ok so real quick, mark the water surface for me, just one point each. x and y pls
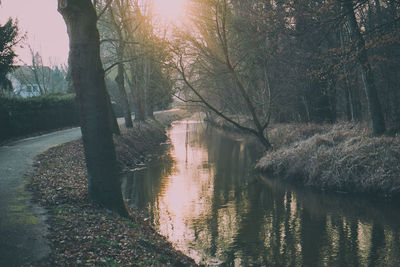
(203, 195)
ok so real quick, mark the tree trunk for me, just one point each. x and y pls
(120, 79)
(149, 111)
(147, 89)
(88, 79)
(263, 138)
(140, 113)
(222, 36)
(374, 106)
(112, 119)
(350, 109)
(378, 7)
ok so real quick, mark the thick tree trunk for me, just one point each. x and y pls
(88, 79)
(374, 106)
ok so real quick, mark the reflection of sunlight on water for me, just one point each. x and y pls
(186, 196)
(204, 201)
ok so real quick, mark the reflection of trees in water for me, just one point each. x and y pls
(275, 225)
(284, 228)
(257, 222)
(232, 161)
(142, 187)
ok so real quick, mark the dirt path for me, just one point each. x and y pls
(22, 224)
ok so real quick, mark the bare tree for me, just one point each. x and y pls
(87, 75)
(113, 22)
(204, 52)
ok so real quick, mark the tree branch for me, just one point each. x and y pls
(202, 99)
(104, 9)
(187, 100)
(116, 63)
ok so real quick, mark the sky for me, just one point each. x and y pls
(44, 26)
(46, 32)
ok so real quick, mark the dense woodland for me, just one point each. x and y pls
(288, 72)
(279, 61)
(269, 61)
(251, 63)
(305, 61)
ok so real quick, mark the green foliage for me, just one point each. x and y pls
(23, 116)
(8, 39)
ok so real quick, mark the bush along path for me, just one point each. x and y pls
(21, 117)
(82, 233)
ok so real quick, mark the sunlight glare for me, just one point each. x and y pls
(170, 11)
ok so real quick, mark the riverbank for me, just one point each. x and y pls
(341, 157)
(81, 232)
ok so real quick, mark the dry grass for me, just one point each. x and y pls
(136, 144)
(341, 157)
(285, 134)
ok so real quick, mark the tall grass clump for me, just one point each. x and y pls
(341, 157)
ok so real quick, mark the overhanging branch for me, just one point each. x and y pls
(206, 103)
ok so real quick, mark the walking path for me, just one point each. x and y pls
(22, 224)
(23, 228)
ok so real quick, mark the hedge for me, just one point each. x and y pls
(24, 116)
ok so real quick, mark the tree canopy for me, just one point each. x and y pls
(292, 61)
(8, 41)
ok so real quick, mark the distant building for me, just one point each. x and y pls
(27, 81)
(23, 82)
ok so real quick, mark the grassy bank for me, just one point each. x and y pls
(84, 234)
(340, 157)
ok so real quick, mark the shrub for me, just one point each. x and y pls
(24, 116)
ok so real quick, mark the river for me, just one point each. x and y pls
(204, 196)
